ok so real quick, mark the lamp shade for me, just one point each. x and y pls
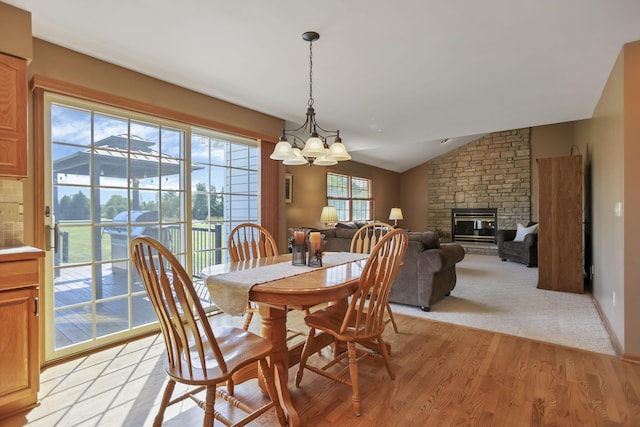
(314, 147)
(298, 160)
(338, 151)
(396, 214)
(325, 159)
(283, 151)
(329, 214)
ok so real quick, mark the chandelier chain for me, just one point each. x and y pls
(311, 74)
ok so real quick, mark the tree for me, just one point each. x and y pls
(114, 206)
(200, 203)
(207, 205)
(170, 205)
(76, 207)
(217, 204)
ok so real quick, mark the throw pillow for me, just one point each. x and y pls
(522, 231)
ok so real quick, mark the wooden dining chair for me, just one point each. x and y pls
(197, 354)
(364, 241)
(363, 321)
(251, 241)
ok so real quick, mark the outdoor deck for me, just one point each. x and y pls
(77, 283)
(74, 290)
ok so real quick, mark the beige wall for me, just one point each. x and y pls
(606, 143)
(414, 189)
(610, 141)
(548, 141)
(15, 31)
(310, 189)
(69, 66)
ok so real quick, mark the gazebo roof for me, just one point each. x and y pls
(111, 155)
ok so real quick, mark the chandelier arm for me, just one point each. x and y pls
(303, 126)
(330, 133)
(296, 138)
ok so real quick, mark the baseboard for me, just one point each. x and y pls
(612, 336)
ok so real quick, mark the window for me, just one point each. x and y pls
(224, 192)
(351, 197)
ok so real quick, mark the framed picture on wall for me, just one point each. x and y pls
(288, 187)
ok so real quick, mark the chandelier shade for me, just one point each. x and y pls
(314, 147)
(296, 160)
(310, 142)
(282, 151)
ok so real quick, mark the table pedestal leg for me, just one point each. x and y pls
(274, 328)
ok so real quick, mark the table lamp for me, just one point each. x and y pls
(329, 215)
(395, 214)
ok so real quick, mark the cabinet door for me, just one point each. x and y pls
(19, 364)
(13, 116)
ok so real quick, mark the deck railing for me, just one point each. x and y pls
(207, 245)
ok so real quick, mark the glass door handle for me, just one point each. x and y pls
(56, 236)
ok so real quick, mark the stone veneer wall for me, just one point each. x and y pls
(492, 172)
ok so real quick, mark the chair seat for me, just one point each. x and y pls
(330, 320)
(240, 348)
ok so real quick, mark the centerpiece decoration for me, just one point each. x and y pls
(298, 245)
(304, 240)
(315, 242)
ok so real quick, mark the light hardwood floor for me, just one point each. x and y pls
(445, 375)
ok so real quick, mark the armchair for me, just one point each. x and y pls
(524, 249)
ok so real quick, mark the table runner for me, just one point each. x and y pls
(230, 291)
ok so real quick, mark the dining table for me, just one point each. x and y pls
(278, 287)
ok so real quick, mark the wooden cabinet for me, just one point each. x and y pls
(19, 342)
(13, 117)
(560, 242)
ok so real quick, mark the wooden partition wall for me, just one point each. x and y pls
(560, 246)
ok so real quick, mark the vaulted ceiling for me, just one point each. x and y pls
(396, 78)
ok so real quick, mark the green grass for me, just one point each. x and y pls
(79, 247)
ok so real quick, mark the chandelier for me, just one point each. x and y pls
(315, 150)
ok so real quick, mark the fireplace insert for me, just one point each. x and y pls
(474, 224)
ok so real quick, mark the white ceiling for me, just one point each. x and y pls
(395, 77)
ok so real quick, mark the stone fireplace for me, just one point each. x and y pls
(493, 172)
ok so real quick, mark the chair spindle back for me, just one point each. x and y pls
(368, 236)
(182, 319)
(368, 303)
(250, 241)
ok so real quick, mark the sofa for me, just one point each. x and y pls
(520, 245)
(428, 273)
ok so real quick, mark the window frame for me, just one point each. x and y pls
(350, 199)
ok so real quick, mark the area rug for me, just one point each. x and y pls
(502, 297)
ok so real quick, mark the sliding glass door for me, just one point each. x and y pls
(115, 175)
